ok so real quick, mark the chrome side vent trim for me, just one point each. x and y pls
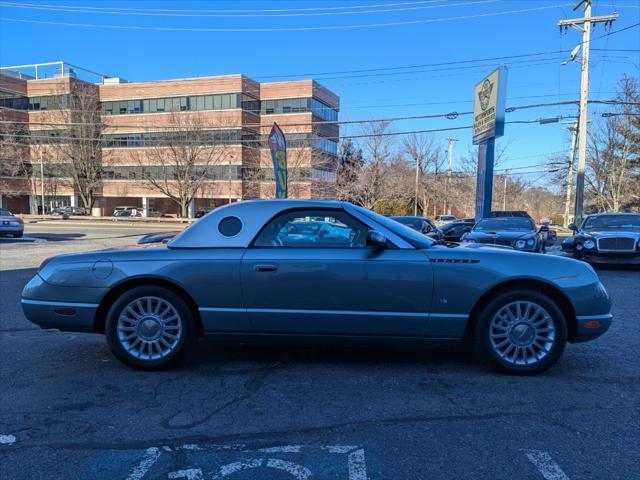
(454, 260)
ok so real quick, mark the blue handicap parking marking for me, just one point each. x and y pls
(232, 462)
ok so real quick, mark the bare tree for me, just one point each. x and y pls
(178, 163)
(75, 144)
(15, 168)
(613, 175)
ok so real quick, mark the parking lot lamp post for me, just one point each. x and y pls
(41, 182)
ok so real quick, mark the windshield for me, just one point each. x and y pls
(613, 222)
(510, 224)
(415, 238)
(411, 222)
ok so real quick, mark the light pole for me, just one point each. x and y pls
(446, 188)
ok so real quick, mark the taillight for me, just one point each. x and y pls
(20, 221)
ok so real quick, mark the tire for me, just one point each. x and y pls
(150, 328)
(527, 344)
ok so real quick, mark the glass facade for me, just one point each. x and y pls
(214, 137)
(212, 172)
(224, 101)
(299, 105)
(49, 102)
(15, 102)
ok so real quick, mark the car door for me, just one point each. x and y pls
(296, 280)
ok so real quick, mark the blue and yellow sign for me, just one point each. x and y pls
(278, 147)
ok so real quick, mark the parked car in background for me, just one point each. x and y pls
(69, 211)
(290, 269)
(442, 219)
(153, 213)
(419, 224)
(159, 237)
(127, 212)
(10, 224)
(606, 238)
(202, 212)
(518, 232)
(510, 213)
(453, 232)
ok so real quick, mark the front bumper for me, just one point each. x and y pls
(591, 326)
(616, 258)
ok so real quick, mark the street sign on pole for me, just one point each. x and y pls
(488, 123)
(278, 147)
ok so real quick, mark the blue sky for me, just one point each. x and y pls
(144, 52)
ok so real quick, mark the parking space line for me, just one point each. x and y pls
(150, 457)
(549, 469)
(7, 439)
(357, 465)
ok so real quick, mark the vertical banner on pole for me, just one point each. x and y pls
(278, 147)
(488, 123)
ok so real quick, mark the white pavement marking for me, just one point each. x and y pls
(7, 439)
(357, 465)
(282, 449)
(150, 457)
(189, 474)
(296, 471)
(549, 469)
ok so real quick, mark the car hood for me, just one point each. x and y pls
(611, 233)
(510, 235)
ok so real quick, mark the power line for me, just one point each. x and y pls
(448, 116)
(282, 29)
(346, 7)
(247, 14)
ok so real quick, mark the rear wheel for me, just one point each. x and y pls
(521, 332)
(150, 328)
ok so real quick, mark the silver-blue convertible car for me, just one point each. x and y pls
(319, 269)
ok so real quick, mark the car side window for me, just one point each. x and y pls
(313, 229)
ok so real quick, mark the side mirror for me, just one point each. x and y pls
(572, 226)
(376, 239)
(467, 229)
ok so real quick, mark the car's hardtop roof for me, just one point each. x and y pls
(253, 214)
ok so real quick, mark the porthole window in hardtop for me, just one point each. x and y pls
(230, 226)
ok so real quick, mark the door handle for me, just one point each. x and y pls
(265, 267)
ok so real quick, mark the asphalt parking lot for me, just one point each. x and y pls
(69, 410)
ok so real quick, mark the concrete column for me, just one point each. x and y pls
(74, 200)
(191, 210)
(1, 200)
(31, 205)
(145, 206)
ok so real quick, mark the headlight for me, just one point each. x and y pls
(521, 243)
(579, 247)
(589, 244)
(469, 240)
(531, 242)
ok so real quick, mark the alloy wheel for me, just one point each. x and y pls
(522, 333)
(149, 328)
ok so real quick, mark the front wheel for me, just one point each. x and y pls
(521, 332)
(150, 328)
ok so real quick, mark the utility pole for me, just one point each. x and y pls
(415, 202)
(504, 192)
(446, 190)
(584, 25)
(41, 182)
(567, 204)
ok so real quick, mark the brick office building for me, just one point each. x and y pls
(229, 115)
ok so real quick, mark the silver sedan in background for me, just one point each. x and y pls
(10, 224)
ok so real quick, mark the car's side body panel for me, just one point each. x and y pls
(337, 291)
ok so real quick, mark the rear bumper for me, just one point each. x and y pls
(591, 326)
(66, 316)
(11, 230)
